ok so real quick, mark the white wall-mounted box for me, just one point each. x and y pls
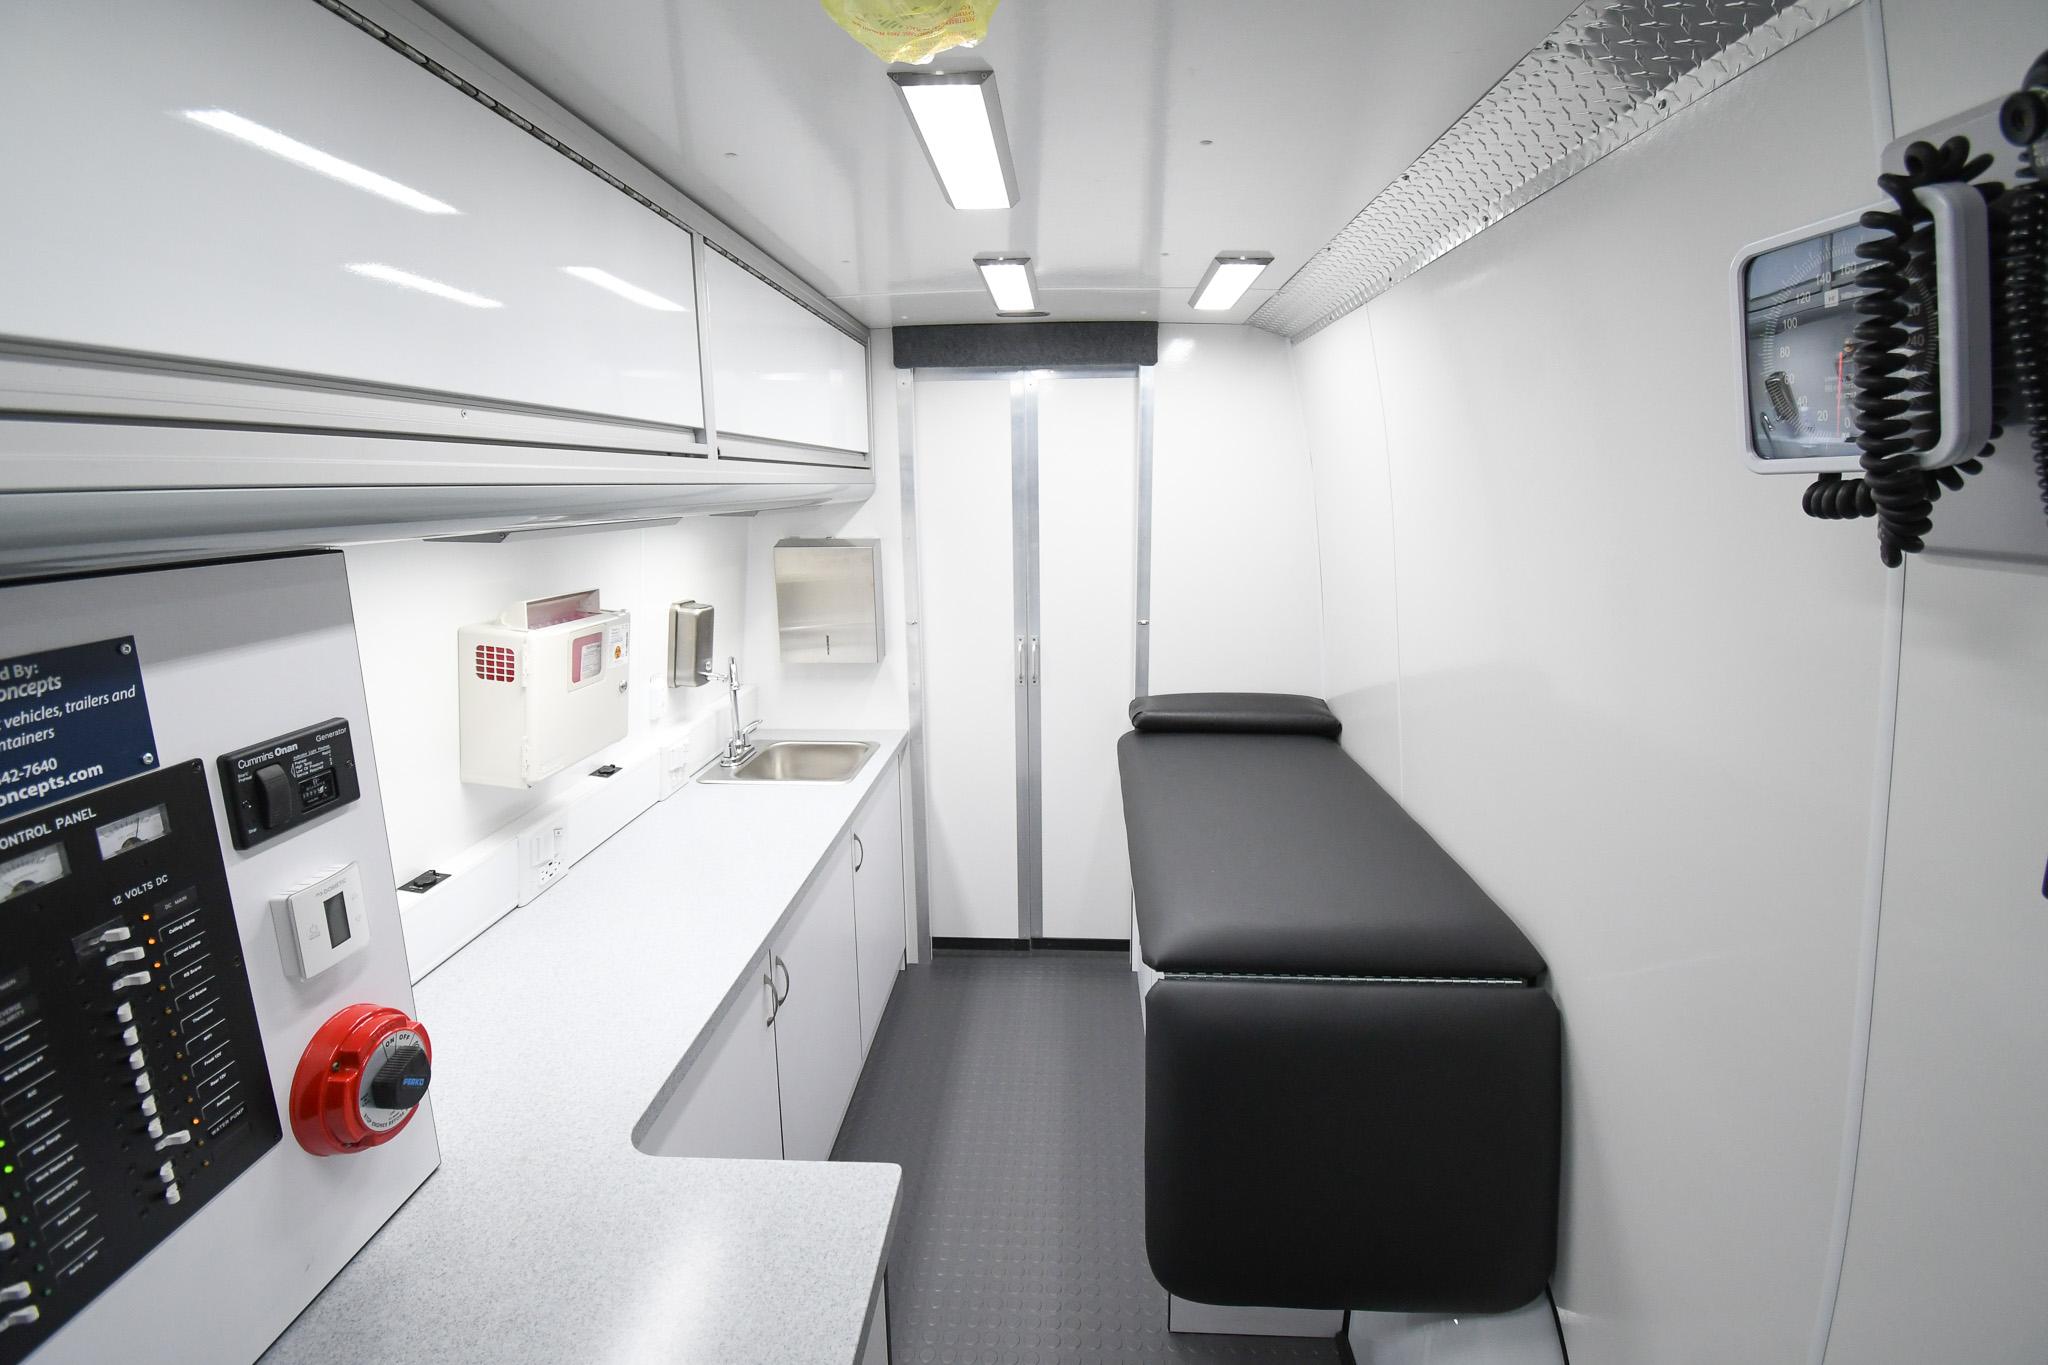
(540, 687)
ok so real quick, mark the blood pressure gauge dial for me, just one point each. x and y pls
(360, 1080)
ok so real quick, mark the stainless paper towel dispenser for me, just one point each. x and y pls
(828, 601)
(689, 644)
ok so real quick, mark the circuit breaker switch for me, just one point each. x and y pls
(126, 955)
(177, 1139)
(20, 1317)
(16, 1292)
(122, 983)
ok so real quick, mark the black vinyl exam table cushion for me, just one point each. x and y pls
(1352, 1069)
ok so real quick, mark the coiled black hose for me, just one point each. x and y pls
(1894, 350)
(2024, 121)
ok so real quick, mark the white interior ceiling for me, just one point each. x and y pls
(1148, 135)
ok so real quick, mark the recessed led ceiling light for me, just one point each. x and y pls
(313, 159)
(405, 279)
(1011, 285)
(959, 123)
(632, 293)
(1228, 276)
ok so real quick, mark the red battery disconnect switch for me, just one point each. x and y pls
(360, 1080)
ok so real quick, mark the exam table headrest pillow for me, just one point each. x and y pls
(1241, 713)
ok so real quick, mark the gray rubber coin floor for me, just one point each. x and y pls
(1010, 1088)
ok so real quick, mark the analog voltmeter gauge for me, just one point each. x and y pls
(1795, 304)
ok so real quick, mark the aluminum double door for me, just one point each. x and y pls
(1027, 512)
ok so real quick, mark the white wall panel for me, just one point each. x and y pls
(410, 598)
(778, 370)
(129, 225)
(1637, 690)
(1948, 1242)
(1234, 597)
(970, 694)
(844, 696)
(1338, 378)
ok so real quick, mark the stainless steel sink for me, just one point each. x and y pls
(798, 760)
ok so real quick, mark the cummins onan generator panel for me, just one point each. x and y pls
(212, 1088)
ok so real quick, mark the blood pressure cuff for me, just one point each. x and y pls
(1330, 1144)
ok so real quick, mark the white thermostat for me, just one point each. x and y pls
(540, 687)
(323, 922)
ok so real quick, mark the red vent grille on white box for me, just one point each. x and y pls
(494, 663)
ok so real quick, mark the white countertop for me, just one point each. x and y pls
(545, 1235)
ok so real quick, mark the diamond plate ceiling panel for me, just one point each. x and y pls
(1607, 73)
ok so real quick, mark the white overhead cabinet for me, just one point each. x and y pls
(263, 184)
(785, 383)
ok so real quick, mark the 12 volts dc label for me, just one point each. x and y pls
(71, 720)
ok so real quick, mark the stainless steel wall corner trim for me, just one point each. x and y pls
(1024, 593)
(913, 664)
(1146, 401)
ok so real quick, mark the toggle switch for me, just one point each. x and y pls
(126, 1014)
(155, 1128)
(142, 1085)
(122, 983)
(149, 1104)
(120, 933)
(273, 795)
(167, 1174)
(171, 1195)
(15, 1293)
(129, 1037)
(177, 1139)
(6, 1241)
(126, 955)
(136, 1060)
(20, 1317)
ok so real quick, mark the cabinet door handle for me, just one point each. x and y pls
(1020, 661)
(768, 980)
(1034, 661)
(860, 853)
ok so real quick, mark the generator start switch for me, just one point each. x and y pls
(271, 787)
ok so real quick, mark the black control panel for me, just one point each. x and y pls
(270, 787)
(133, 1083)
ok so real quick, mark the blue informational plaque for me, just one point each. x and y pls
(71, 720)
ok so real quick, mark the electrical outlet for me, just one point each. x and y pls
(543, 857)
(675, 768)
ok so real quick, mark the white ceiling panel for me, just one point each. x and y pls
(1148, 135)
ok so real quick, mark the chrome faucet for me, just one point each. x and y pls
(739, 748)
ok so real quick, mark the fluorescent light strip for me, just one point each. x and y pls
(957, 120)
(313, 159)
(632, 293)
(1227, 279)
(405, 279)
(1009, 283)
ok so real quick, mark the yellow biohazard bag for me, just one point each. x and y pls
(912, 30)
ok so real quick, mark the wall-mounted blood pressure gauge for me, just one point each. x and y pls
(1795, 300)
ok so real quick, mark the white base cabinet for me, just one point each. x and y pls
(817, 1015)
(730, 1102)
(878, 905)
(779, 1070)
